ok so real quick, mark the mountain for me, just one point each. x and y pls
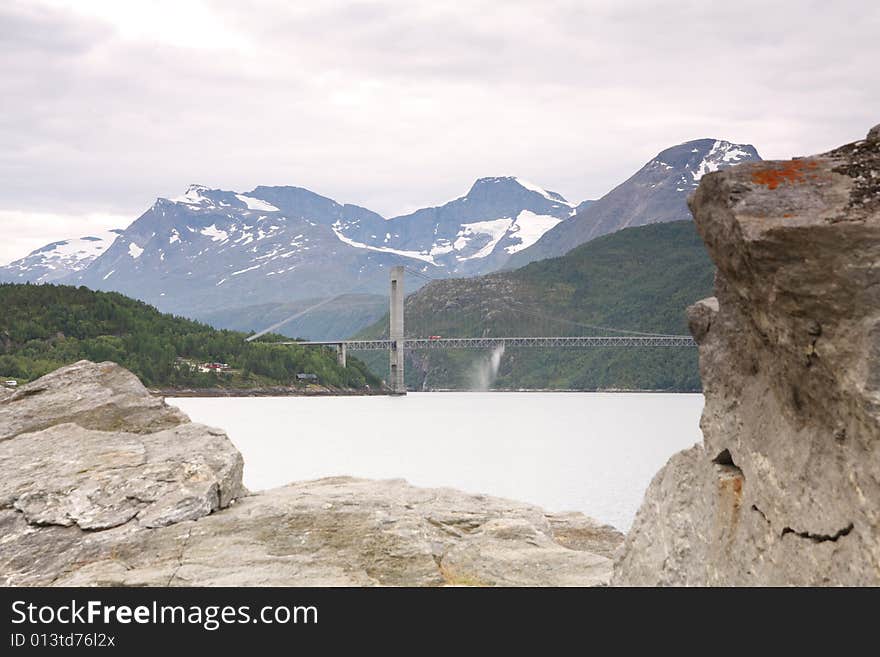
(57, 260)
(212, 249)
(43, 327)
(475, 233)
(637, 279)
(227, 257)
(656, 193)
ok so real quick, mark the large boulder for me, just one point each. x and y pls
(100, 396)
(66, 475)
(88, 446)
(143, 497)
(785, 488)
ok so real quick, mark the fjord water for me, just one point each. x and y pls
(589, 452)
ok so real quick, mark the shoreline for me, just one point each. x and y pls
(279, 391)
(585, 390)
(294, 392)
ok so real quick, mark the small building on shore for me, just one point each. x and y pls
(214, 367)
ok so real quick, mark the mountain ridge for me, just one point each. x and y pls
(210, 251)
(656, 193)
(59, 259)
(206, 248)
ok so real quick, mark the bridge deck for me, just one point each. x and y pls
(488, 343)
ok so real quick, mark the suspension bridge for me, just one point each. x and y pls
(397, 343)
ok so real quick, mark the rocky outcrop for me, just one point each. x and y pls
(67, 475)
(338, 531)
(103, 396)
(143, 497)
(785, 489)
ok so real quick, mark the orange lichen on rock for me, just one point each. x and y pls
(793, 171)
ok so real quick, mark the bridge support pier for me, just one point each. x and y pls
(395, 333)
(340, 354)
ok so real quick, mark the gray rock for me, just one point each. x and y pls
(579, 532)
(330, 532)
(101, 396)
(785, 489)
(700, 317)
(67, 475)
(103, 506)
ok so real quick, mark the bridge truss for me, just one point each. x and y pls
(398, 343)
(490, 342)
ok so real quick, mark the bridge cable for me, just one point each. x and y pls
(590, 326)
(294, 316)
(419, 274)
(547, 318)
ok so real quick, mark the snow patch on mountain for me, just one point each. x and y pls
(441, 247)
(256, 204)
(194, 195)
(134, 250)
(550, 196)
(721, 153)
(494, 229)
(242, 271)
(78, 253)
(425, 257)
(215, 233)
(58, 259)
(528, 229)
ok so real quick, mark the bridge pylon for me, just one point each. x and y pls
(395, 333)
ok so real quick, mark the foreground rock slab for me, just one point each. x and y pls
(785, 489)
(158, 505)
(329, 532)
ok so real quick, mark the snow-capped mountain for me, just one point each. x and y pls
(656, 193)
(475, 233)
(57, 260)
(210, 249)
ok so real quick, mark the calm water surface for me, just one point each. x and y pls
(590, 452)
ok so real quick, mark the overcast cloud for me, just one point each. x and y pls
(395, 105)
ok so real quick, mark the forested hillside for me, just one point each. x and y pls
(638, 279)
(43, 327)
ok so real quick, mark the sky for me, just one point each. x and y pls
(396, 105)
